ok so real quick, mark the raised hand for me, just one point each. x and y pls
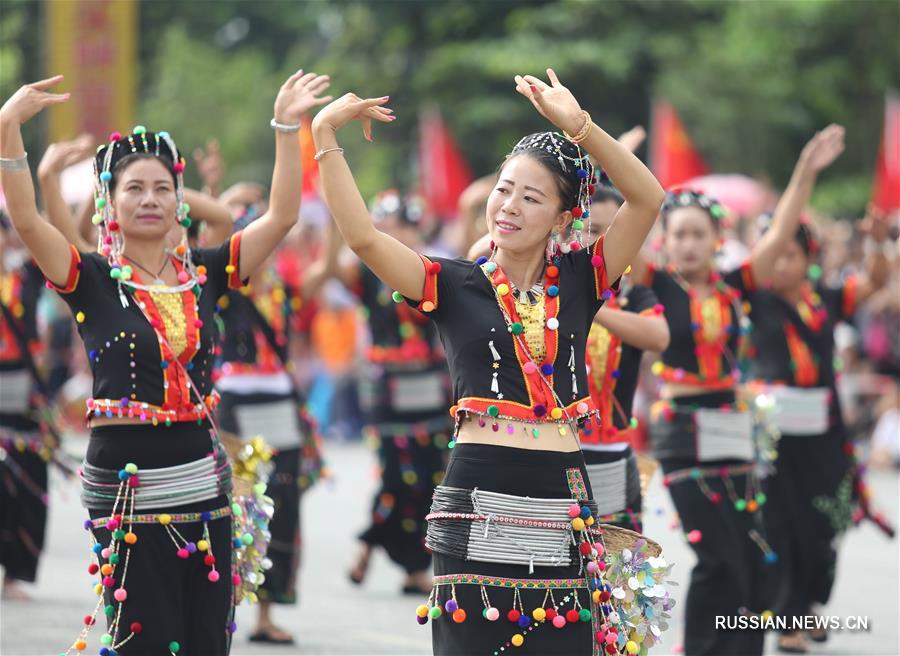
(554, 101)
(351, 107)
(633, 139)
(298, 95)
(875, 224)
(30, 99)
(64, 154)
(209, 165)
(242, 194)
(823, 148)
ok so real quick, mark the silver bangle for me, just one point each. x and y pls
(319, 155)
(15, 164)
(281, 127)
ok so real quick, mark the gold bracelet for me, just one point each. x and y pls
(584, 131)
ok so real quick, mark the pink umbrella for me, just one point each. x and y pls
(740, 194)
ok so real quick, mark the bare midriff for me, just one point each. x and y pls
(548, 437)
(96, 422)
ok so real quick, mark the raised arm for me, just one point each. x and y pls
(47, 245)
(877, 230)
(215, 216)
(297, 95)
(397, 265)
(642, 192)
(58, 157)
(327, 266)
(644, 332)
(820, 152)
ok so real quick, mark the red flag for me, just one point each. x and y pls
(443, 173)
(886, 190)
(308, 158)
(673, 157)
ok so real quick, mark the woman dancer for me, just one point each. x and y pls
(700, 434)
(812, 492)
(514, 328)
(155, 479)
(408, 399)
(26, 437)
(628, 324)
(260, 398)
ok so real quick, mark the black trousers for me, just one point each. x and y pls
(810, 501)
(731, 576)
(411, 465)
(522, 472)
(23, 504)
(170, 597)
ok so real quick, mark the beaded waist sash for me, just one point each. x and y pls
(503, 528)
(199, 480)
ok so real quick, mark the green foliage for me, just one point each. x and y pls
(751, 80)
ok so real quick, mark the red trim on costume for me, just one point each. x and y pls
(176, 385)
(233, 268)
(538, 392)
(520, 411)
(850, 297)
(747, 276)
(9, 345)
(73, 276)
(803, 362)
(430, 288)
(603, 390)
(601, 278)
(649, 274)
(675, 375)
(152, 413)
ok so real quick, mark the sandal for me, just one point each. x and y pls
(266, 636)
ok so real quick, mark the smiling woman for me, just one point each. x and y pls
(145, 314)
(514, 328)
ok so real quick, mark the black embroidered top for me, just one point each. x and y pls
(246, 347)
(704, 334)
(613, 365)
(464, 299)
(136, 373)
(401, 336)
(794, 344)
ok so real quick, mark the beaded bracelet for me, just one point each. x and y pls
(584, 131)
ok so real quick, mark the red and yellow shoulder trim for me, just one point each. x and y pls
(850, 297)
(601, 280)
(429, 301)
(747, 276)
(233, 268)
(72, 277)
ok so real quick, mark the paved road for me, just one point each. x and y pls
(337, 618)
